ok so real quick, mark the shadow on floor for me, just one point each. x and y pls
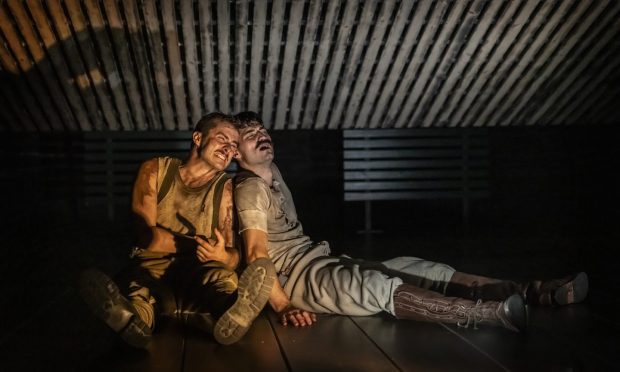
(46, 326)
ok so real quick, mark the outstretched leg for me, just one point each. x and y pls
(568, 290)
(411, 302)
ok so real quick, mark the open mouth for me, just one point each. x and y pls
(264, 145)
(220, 155)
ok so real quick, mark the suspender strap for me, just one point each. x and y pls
(218, 188)
(215, 187)
(168, 178)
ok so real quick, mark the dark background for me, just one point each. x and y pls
(553, 209)
(553, 206)
(545, 181)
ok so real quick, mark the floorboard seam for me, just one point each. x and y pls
(286, 361)
(184, 344)
(374, 343)
(474, 346)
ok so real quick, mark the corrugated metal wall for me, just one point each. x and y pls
(97, 65)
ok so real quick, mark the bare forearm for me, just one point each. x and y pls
(278, 299)
(288, 313)
(255, 244)
(234, 258)
(256, 247)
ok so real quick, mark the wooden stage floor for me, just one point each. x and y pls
(45, 325)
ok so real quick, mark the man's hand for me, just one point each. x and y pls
(208, 250)
(296, 316)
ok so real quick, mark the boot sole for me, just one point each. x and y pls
(105, 300)
(252, 294)
(574, 291)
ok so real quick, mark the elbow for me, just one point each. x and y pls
(145, 237)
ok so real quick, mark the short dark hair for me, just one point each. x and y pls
(247, 119)
(209, 121)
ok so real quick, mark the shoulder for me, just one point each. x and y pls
(150, 165)
(251, 192)
(250, 184)
(244, 175)
(148, 170)
(222, 176)
(246, 178)
(154, 164)
(166, 161)
(146, 179)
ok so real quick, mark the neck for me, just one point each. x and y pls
(261, 170)
(196, 172)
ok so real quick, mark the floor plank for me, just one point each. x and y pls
(46, 326)
(164, 353)
(258, 350)
(65, 336)
(535, 349)
(420, 346)
(593, 341)
(334, 343)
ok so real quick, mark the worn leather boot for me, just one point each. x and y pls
(252, 294)
(411, 302)
(103, 297)
(568, 290)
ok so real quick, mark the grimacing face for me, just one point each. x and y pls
(219, 145)
(255, 146)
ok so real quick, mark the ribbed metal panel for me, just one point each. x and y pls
(99, 65)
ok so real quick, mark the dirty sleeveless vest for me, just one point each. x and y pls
(185, 210)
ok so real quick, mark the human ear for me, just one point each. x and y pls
(197, 137)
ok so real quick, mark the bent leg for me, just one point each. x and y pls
(141, 283)
(210, 288)
(255, 285)
(105, 300)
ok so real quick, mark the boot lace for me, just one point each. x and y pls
(473, 316)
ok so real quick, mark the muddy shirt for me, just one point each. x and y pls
(271, 210)
(186, 210)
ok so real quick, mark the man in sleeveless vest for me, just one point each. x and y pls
(185, 245)
(311, 281)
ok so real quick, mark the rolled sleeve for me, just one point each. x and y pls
(252, 203)
(252, 220)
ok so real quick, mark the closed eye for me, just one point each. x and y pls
(250, 136)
